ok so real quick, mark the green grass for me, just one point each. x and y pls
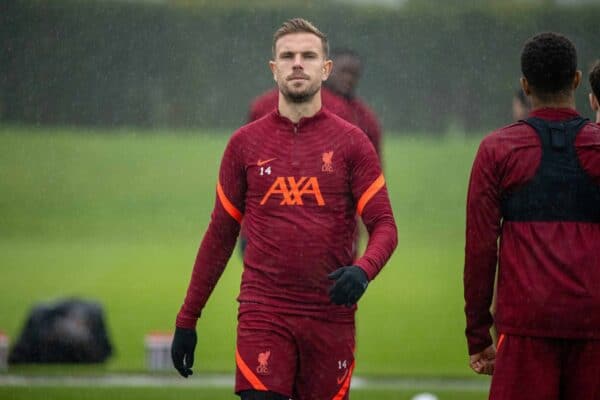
(117, 217)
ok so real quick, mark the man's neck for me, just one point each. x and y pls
(558, 102)
(598, 117)
(296, 111)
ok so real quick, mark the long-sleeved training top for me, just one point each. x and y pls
(298, 187)
(548, 270)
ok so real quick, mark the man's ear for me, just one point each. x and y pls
(326, 71)
(272, 67)
(594, 102)
(577, 79)
(525, 86)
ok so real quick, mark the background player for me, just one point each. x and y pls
(595, 93)
(297, 177)
(536, 185)
(344, 79)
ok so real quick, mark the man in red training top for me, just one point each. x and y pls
(338, 95)
(297, 178)
(535, 191)
(343, 81)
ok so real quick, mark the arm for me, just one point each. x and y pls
(373, 205)
(214, 252)
(482, 233)
(220, 237)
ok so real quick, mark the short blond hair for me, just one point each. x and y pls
(300, 25)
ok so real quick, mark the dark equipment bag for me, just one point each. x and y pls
(68, 331)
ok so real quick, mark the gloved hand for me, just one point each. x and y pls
(350, 284)
(182, 350)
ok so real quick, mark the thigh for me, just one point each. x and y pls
(266, 354)
(581, 370)
(526, 368)
(326, 352)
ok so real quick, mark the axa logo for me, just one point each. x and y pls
(292, 190)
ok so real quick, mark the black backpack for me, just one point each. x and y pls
(69, 331)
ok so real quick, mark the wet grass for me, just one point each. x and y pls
(117, 217)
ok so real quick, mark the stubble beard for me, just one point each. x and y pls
(299, 97)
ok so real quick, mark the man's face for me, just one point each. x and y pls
(299, 67)
(345, 75)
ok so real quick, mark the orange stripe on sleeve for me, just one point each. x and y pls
(344, 389)
(248, 374)
(230, 208)
(369, 193)
(500, 340)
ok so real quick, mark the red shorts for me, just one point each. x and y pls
(299, 357)
(530, 368)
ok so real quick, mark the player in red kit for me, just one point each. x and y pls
(534, 191)
(338, 95)
(343, 82)
(297, 178)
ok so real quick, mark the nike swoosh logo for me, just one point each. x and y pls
(263, 162)
(341, 379)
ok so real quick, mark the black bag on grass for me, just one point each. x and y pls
(69, 331)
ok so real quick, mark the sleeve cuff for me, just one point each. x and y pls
(479, 345)
(365, 266)
(186, 322)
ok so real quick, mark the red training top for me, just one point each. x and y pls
(352, 110)
(298, 188)
(549, 272)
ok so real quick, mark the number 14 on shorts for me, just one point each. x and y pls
(342, 365)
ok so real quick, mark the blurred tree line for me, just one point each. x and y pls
(190, 64)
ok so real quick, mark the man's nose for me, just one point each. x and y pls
(298, 61)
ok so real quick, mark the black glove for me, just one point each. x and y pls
(350, 283)
(182, 350)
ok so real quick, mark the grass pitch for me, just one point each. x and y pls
(117, 217)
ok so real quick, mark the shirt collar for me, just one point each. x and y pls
(304, 122)
(554, 114)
